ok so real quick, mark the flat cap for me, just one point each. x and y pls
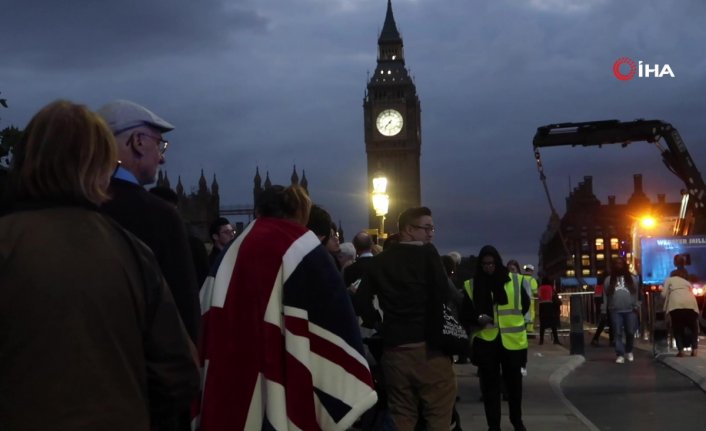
(122, 115)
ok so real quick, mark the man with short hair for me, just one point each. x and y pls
(321, 224)
(138, 135)
(403, 278)
(221, 233)
(363, 244)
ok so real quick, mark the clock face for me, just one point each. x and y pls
(389, 122)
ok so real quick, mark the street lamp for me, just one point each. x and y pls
(381, 201)
(648, 222)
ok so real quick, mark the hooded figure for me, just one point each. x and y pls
(489, 285)
(500, 343)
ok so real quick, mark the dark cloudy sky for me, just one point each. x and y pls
(272, 83)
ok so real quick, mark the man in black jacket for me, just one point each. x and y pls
(402, 278)
(138, 134)
(363, 244)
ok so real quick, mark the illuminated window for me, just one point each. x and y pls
(585, 271)
(585, 260)
(570, 273)
(599, 244)
(599, 273)
(600, 256)
(614, 244)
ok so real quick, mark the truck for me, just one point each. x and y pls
(653, 256)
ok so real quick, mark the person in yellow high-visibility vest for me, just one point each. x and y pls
(497, 307)
(533, 287)
(513, 267)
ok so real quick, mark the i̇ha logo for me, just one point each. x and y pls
(643, 70)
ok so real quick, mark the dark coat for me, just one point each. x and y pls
(356, 270)
(90, 334)
(401, 277)
(201, 263)
(157, 223)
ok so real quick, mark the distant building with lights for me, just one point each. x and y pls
(578, 248)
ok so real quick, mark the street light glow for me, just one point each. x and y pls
(648, 222)
(381, 201)
(379, 184)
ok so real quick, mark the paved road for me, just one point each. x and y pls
(544, 408)
(643, 395)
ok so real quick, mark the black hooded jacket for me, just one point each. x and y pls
(488, 289)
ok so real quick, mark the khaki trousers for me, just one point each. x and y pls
(416, 377)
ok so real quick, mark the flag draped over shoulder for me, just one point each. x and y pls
(281, 347)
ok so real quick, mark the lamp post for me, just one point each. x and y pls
(381, 201)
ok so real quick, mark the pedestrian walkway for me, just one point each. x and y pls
(545, 408)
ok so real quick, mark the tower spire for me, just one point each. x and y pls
(257, 180)
(389, 31)
(203, 185)
(304, 182)
(295, 177)
(390, 46)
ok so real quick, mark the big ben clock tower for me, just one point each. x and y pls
(392, 118)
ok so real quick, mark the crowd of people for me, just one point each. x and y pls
(129, 311)
(116, 318)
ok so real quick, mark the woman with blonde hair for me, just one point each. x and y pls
(91, 336)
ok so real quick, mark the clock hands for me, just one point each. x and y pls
(389, 122)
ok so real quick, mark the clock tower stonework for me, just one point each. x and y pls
(393, 132)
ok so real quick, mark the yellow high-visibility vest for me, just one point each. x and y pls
(508, 319)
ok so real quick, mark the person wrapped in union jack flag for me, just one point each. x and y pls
(281, 348)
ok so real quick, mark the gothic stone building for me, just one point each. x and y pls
(581, 245)
(200, 207)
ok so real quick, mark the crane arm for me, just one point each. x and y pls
(597, 133)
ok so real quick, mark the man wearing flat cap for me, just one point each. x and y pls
(141, 146)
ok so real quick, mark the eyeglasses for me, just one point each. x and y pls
(229, 232)
(427, 229)
(161, 143)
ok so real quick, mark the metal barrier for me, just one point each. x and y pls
(657, 326)
(574, 307)
(652, 326)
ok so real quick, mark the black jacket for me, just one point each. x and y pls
(157, 224)
(402, 278)
(356, 270)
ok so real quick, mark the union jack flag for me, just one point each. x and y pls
(281, 347)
